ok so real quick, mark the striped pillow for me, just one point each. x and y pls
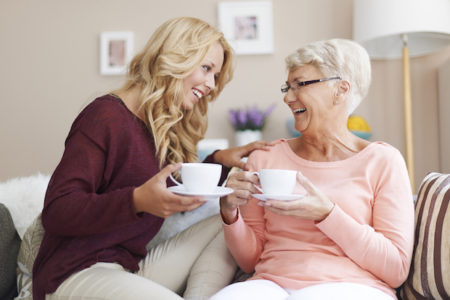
(429, 277)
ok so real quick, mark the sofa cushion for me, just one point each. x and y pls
(213, 270)
(429, 277)
(9, 247)
(29, 249)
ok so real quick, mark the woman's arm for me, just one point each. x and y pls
(243, 220)
(385, 247)
(75, 203)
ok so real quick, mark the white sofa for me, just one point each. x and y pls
(22, 198)
(21, 201)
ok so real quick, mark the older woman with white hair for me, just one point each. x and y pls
(350, 234)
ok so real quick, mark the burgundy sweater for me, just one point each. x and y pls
(88, 213)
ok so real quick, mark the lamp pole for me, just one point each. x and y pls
(407, 107)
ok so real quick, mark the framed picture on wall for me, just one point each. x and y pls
(116, 49)
(247, 26)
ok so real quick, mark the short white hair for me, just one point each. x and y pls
(337, 57)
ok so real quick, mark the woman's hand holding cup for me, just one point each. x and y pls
(153, 196)
(314, 206)
(243, 183)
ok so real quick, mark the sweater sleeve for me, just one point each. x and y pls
(385, 248)
(79, 200)
(245, 237)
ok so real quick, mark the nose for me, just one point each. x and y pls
(210, 82)
(289, 97)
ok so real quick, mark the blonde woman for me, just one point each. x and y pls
(108, 196)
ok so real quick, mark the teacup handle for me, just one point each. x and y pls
(257, 187)
(260, 189)
(174, 180)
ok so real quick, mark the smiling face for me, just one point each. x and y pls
(312, 105)
(203, 79)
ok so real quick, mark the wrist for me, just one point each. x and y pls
(217, 156)
(229, 213)
(327, 212)
(229, 217)
(136, 200)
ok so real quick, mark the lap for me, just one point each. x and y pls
(109, 281)
(163, 272)
(265, 289)
(252, 289)
(339, 291)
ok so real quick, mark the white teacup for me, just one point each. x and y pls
(199, 178)
(277, 181)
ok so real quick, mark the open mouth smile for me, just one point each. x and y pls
(197, 93)
(299, 110)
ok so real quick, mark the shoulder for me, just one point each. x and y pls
(104, 111)
(385, 158)
(258, 157)
(103, 108)
(383, 150)
(104, 117)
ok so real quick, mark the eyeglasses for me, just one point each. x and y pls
(297, 84)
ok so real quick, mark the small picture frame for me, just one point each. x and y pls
(247, 26)
(116, 49)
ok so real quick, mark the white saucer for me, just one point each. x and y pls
(289, 197)
(219, 192)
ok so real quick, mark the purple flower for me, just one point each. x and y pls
(269, 110)
(249, 118)
(232, 117)
(242, 117)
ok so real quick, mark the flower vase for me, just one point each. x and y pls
(247, 136)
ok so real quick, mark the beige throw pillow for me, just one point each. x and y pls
(27, 254)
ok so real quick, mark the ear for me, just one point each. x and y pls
(343, 87)
(342, 90)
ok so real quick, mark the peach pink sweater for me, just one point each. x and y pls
(367, 238)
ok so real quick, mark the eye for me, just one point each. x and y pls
(216, 77)
(206, 68)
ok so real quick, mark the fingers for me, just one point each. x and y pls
(241, 165)
(242, 183)
(243, 180)
(259, 145)
(193, 205)
(304, 181)
(264, 145)
(175, 203)
(169, 169)
(161, 177)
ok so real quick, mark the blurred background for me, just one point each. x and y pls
(50, 70)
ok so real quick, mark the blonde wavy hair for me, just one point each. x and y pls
(172, 53)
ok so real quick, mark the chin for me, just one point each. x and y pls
(188, 106)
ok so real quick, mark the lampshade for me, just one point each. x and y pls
(402, 28)
(379, 25)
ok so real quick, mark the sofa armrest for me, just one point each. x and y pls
(213, 270)
(9, 248)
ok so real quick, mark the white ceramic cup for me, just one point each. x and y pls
(277, 181)
(199, 178)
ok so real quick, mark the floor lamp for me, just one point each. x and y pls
(390, 29)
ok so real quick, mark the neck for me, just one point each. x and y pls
(131, 99)
(327, 146)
